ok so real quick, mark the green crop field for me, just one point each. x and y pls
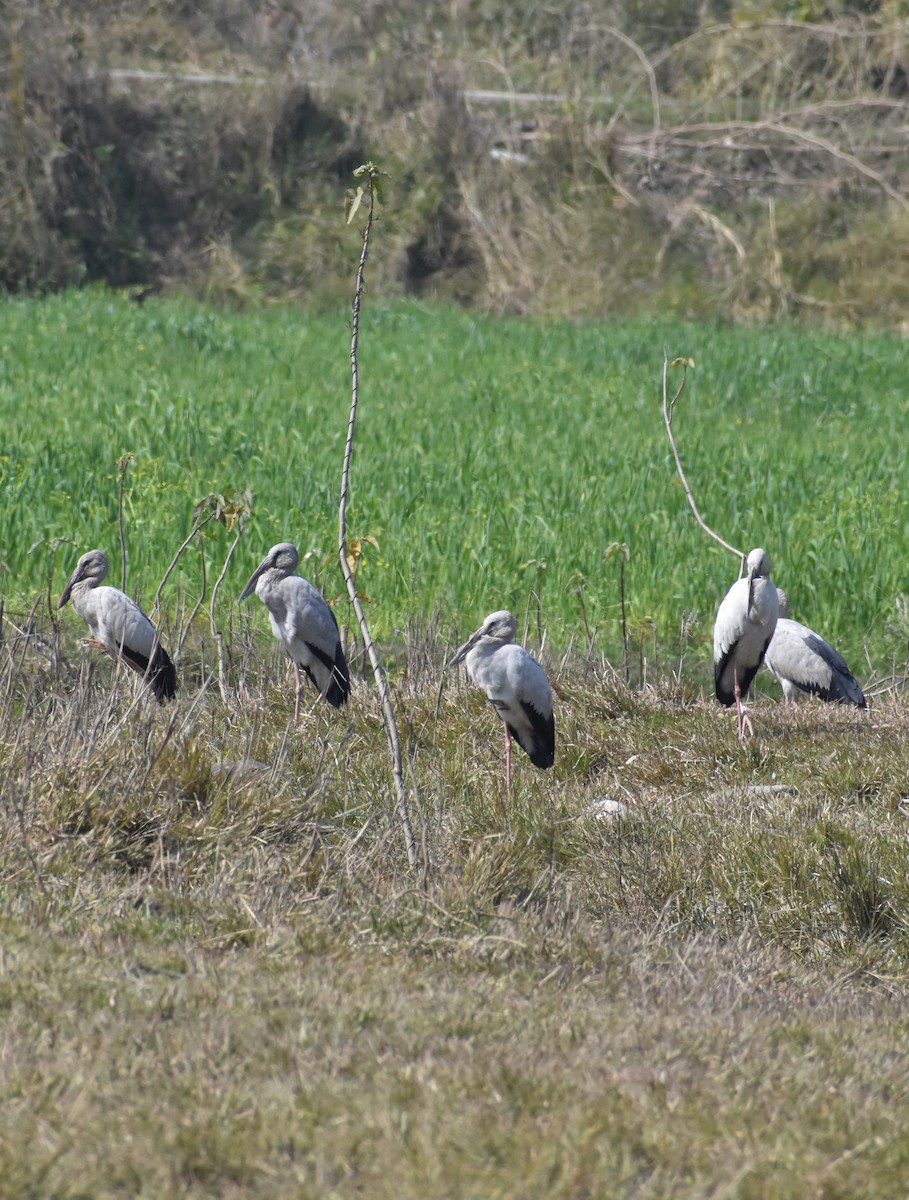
(496, 460)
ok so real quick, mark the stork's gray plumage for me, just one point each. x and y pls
(803, 662)
(303, 623)
(515, 684)
(744, 625)
(118, 625)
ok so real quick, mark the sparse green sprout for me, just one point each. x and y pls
(372, 188)
(354, 200)
(354, 550)
(227, 509)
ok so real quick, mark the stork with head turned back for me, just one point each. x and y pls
(801, 661)
(118, 625)
(744, 625)
(515, 684)
(303, 623)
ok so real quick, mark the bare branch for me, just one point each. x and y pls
(367, 192)
(722, 135)
(668, 406)
(649, 72)
(216, 632)
(123, 463)
(833, 32)
(187, 624)
(200, 525)
(851, 160)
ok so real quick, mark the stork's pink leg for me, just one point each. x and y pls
(743, 718)
(507, 762)
(299, 680)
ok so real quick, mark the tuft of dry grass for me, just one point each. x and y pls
(219, 977)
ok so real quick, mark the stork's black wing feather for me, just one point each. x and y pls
(540, 743)
(843, 687)
(726, 695)
(160, 672)
(338, 691)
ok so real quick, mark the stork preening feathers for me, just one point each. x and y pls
(118, 625)
(801, 661)
(745, 622)
(303, 623)
(516, 686)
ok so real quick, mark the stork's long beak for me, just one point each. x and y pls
(252, 581)
(462, 651)
(750, 589)
(65, 594)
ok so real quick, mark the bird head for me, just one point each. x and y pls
(91, 568)
(758, 564)
(281, 559)
(499, 627)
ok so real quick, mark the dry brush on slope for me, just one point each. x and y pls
(751, 166)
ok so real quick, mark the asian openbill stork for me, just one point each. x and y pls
(801, 661)
(303, 623)
(515, 684)
(744, 625)
(118, 625)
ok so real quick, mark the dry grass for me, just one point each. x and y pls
(218, 977)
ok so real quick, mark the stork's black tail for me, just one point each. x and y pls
(339, 691)
(539, 740)
(162, 675)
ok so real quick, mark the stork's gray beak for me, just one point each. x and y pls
(462, 651)
(252, 581)
(67, 591)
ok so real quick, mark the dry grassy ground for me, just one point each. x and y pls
(219, 978)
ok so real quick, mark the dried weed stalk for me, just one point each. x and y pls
(668, 407)
(367, 192)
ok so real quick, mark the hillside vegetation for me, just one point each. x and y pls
(737, 159)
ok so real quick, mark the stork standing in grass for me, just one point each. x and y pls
(515, 684)
(745, 622)
(801, 661)
(303, 623)
(118, 625)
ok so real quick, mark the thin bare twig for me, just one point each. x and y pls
(367, 192)
(187, 624)
(621, 550)
(668, 406)
(216, 632)
(123, 463)
(724, 133)
(197, 528)
(649, 72)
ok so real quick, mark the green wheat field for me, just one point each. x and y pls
(219, 975)
(496, 461)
